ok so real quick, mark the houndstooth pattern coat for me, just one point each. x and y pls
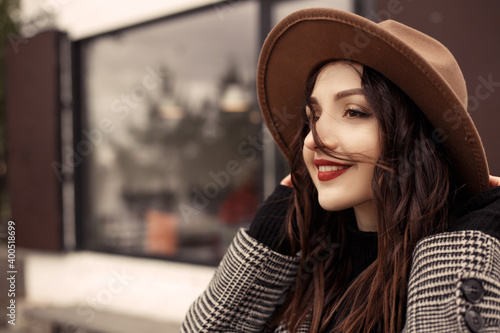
(444, 295)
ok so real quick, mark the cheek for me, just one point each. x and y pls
(308, 156)
(366, 176)
(364, 142)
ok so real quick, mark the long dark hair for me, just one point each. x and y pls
(412, 189)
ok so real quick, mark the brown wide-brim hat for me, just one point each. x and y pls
(418, 64)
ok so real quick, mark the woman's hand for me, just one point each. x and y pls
(287, 181)
(494, 181)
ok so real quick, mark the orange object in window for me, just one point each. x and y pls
(161, 233)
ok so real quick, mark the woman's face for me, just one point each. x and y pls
(347, 126)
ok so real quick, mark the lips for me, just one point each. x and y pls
(328, 170)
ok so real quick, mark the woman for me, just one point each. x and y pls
(387, 223)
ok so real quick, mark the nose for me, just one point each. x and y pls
(309, 141)
(325, 134)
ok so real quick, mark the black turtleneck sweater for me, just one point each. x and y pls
(362, 249)
(269, 223)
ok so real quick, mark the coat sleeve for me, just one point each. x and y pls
(454, 284)
(250, 282)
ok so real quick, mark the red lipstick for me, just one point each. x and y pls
(327, 173)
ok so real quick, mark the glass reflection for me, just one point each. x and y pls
(176, 164)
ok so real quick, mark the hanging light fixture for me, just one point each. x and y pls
(234, 98)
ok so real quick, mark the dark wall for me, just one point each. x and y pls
(471, 31)
(33, 122)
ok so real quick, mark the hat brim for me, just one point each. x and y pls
(306, 38)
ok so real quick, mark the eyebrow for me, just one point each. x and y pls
(349, 92)
(342, 94)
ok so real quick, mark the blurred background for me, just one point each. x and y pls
(132, 147)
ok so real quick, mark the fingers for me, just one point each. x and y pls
(494, 181)
(287, 181)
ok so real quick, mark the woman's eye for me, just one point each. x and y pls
(353, 113)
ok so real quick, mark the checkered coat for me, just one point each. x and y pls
(252, 280)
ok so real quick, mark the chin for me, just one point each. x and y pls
(332, 205)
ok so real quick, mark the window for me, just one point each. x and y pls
(176, 134)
